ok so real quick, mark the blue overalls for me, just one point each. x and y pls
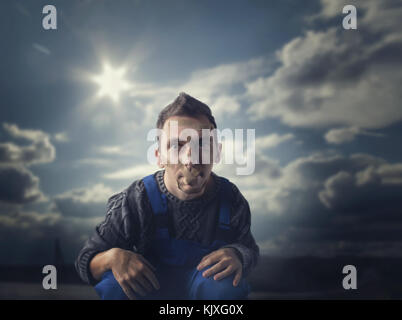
(176, 260)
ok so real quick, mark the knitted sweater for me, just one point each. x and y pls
(129, 224)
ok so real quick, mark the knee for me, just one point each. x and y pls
(210, 289)
(109, 289)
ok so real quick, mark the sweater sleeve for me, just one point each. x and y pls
(244, 244)
(112, 232)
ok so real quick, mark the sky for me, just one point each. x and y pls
(324, 103)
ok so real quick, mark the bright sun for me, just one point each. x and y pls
(111, 82)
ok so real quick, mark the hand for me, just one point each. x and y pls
(134, 273)
(225, 263)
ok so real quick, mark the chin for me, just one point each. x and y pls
(191, 189)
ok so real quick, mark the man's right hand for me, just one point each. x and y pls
(133, 272)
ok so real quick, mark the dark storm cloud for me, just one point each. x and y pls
(84, 202)
(347, 134)
(71, 208)
(365, 191)
(18, 185)
(329, 205)
(333, 76)
(346, 67)
(40, 150)
(69, 217)
(311, 171)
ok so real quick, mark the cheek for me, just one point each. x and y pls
(206, 168)
(207, 154)
(172, 157)
(172, 168)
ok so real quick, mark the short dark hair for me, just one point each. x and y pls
(185, 105)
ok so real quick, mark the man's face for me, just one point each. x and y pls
(183, 136)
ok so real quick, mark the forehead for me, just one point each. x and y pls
(183, 122)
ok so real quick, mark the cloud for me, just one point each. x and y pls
(390, 173)
(84, 202)
(18, 185)
(272, 140)
(61, 137)
(328, 204)
(332, 77)
(117, 150)
(110, 149)
(215, 86)
(348, 134)
(131, 173)
(28, 221)
(97, 162)
(264, 167)
(367, 190)
(225, 105)
(39, 151)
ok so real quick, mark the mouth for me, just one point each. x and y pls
(191, 178)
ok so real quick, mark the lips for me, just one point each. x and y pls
(191, 177)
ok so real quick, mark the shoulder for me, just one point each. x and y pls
(118, 199)
(229, 188)
(240, 209)
(126, 208)
(134, 197)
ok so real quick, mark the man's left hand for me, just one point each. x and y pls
(225, 262)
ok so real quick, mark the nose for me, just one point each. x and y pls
(187, 159)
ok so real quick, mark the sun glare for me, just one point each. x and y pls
(111, 82)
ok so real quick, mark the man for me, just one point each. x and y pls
(181, 233)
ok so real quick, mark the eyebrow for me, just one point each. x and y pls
(181, 142)
(175, 141)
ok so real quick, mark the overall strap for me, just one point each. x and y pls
(224, 233)
(157, 199)
(159, 205)
(225, 203)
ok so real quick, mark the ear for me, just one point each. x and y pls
(158, 159)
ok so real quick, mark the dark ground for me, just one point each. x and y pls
(273, 278)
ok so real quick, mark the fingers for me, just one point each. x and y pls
(208, 260)
(237, 277)
(147, 262)
(149, 274)
(142, 271)
(214, 269)
(138, 281)
(125, 285)
(128, 291)
(228, 271)
(136, 287)
(144, 277)
(152, 278)
(225, 264)
(207, 256)
(135, 274)
(143, 281)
